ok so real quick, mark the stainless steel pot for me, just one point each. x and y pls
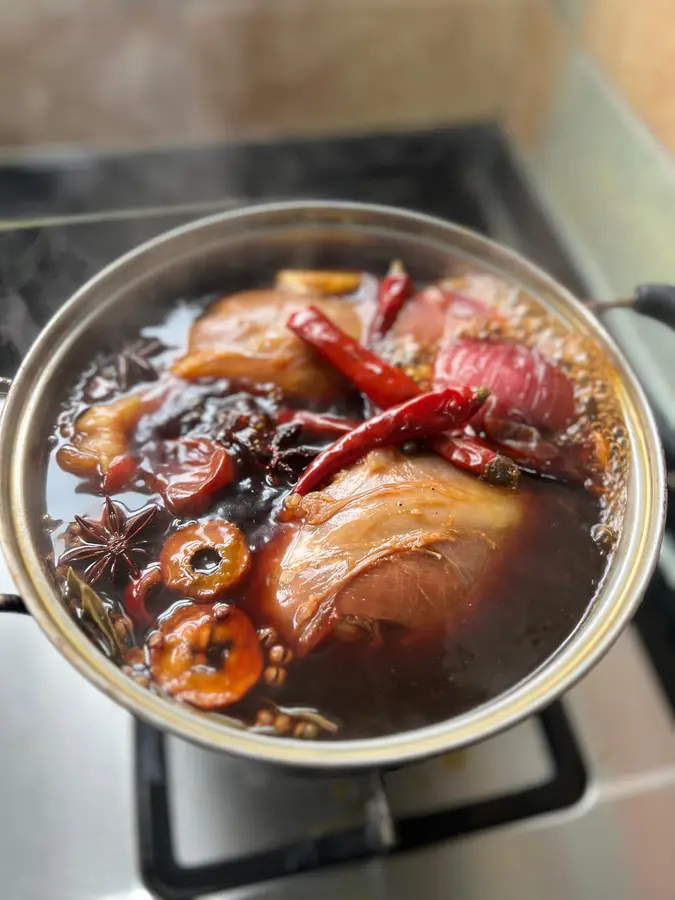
(239, 248)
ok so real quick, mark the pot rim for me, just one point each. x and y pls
(590, 640)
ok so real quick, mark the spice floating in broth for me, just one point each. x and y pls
(110, 546)
(208, 656)
(97, 618)
(355, 513)
(205, 560)
(423, 416)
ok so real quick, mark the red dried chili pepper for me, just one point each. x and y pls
(419, 418)
(540, 456)
(471, 454)
(386, 386)
(395, 288)
(316, 423)
(196, 470)
(374, 377)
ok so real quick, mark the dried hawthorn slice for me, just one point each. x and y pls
(220, 540)
(206, 656)
(195, 469)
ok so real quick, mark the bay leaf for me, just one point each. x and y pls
(97, 613)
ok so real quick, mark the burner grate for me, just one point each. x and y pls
(381, 834)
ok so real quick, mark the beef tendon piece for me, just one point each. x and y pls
(403, 539)
(245, 336)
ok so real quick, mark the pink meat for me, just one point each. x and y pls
(245, 336)
(429, 314)
(525, 387)
(394, 538)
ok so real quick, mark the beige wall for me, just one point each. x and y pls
(632, 44)
(591, 113)
(129, 72)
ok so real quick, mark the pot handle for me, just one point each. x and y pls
(8, 602)
(654, 300)
(12, 603)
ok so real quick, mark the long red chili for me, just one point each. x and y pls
(419, 418)
(395, 288)
(316, 423)
(473, 455)
(545, 458)
(386, 386)
(381, 382)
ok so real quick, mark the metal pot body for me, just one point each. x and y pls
(240, 249)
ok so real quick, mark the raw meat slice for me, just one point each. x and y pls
(448, 307)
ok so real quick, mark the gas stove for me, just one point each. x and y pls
(576, 802)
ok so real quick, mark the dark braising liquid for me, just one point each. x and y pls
(531, 604)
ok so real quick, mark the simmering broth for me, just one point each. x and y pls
(398, 590)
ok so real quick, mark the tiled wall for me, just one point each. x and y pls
(591, 112)
(128, 72)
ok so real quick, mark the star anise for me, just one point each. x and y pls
(132, 365)
(110, 546)
(122, 370)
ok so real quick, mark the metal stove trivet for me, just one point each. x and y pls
(381, 834)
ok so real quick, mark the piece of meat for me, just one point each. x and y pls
(100, 435)
(405, 539)
(525, 387)
(245, 336)
(445, 308)
(103, 431)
